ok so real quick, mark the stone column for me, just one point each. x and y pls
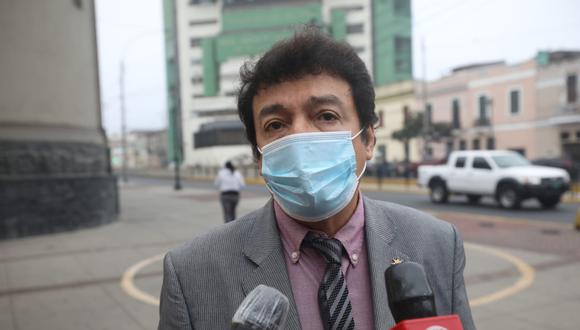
(54, 164)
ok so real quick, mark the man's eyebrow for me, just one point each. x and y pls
(315, 101)
(270, 110)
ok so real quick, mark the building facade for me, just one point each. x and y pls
(146, 149)
(215, 38)
(54, 164)
(394, 103)
(530, 107)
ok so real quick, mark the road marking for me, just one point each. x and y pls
(128, 281)
(526, 279)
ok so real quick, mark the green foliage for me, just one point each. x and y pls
(414, 128)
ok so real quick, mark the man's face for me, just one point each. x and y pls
(313, 103)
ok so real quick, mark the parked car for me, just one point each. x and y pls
(563, 163)
(505, 175)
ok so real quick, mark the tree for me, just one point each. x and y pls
(413, 128)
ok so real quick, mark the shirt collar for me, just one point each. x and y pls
(351, 235)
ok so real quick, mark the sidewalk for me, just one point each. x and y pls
(72, 280)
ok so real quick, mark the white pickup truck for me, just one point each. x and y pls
(505, 175)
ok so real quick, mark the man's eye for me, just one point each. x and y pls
(327, 116)
(273, 126)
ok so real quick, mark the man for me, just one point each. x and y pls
(308, 108)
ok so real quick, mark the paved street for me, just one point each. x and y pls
(522, 270)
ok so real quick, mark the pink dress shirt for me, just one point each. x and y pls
(306, 268)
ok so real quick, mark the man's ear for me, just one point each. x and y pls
(371, 139)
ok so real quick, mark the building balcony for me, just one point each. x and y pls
(569, 109)
(482, 122)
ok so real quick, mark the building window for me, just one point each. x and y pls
(196, 80)
(476, 145)
(564, 136)
(456, 116)
(515, 102)
(571, 89)
(429, 113)
(354, 28)
(202, 2)
(490, 143)
(577, 135)
(462, 145)
(482, 107)
(194, 42)
(405, 115)
(402, 54)
(203, 22)
(402, 7)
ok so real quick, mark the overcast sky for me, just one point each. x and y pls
(455, 32)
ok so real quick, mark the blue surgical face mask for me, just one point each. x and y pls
(312, 176)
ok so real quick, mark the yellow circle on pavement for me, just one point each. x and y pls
(527, 275)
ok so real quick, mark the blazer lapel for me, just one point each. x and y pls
(264, 249)
(380, 231)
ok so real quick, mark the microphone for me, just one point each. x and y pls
(412, 301)
(265, 308)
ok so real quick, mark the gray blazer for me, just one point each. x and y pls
(206, 279)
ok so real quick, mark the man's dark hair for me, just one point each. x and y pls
(308, 52)
(230, 167)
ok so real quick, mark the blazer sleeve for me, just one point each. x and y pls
(460, 302)
(173, 310)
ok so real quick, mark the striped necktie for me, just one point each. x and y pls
(335, 307)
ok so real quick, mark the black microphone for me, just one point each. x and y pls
(412, 301)
(265, 308)
(409, 292)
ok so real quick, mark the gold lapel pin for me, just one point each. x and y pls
(396, 261)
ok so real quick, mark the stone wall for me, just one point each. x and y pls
(48, 187)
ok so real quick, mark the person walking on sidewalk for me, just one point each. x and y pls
(229, 181)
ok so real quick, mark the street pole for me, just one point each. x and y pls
(177, 113)
(123, 121)
(426, 122)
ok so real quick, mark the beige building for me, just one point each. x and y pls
(391, 104)
(531, 107)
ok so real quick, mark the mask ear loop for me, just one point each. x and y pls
(357, 134)
(365, 166)
(361, 173)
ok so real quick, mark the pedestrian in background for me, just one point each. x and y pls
(229, 181)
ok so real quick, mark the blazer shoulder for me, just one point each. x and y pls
(406, 220)
(223, 240)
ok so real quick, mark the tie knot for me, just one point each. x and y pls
(330, 248)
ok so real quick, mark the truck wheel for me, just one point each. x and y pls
(508, 197)
(549, 202)
(473, 199)
(438, 192)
